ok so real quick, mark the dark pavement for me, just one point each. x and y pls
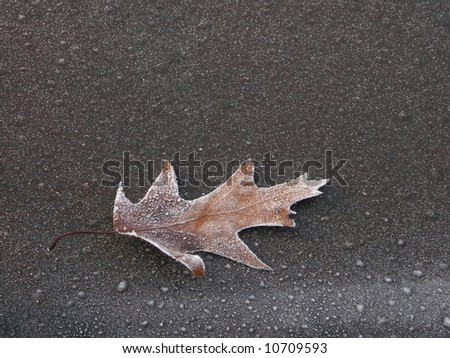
(84, 81)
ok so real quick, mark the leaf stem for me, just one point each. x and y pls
(52, 246)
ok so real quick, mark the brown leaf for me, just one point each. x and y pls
(210, 223)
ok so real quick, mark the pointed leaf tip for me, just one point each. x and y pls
(247, 167)
(194, 263)
(166, 165)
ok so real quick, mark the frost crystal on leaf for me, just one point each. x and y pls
(210, 223)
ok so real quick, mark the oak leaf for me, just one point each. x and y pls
(211, 223)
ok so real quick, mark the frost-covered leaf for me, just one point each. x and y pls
(212, 222)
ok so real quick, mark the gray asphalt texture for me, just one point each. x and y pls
(84, 81)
